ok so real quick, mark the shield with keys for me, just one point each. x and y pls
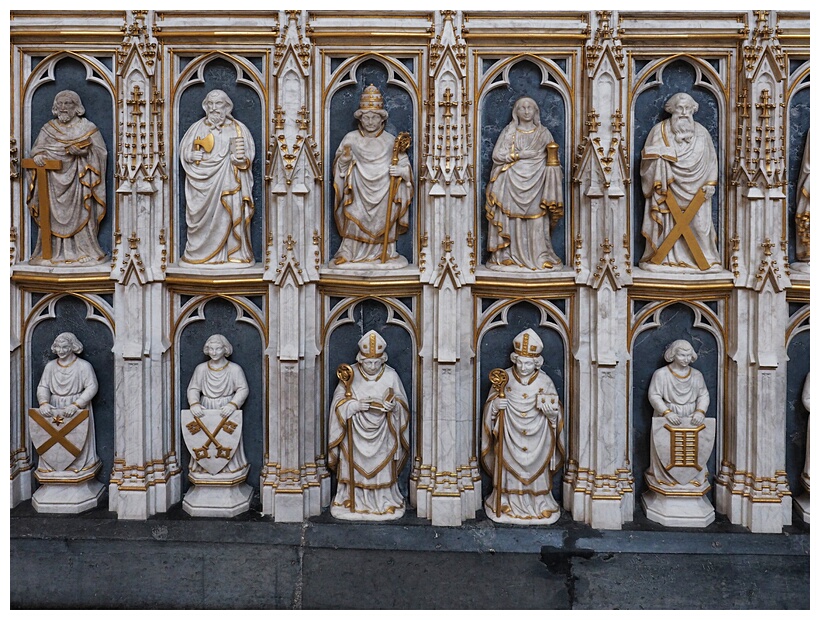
(211, 439)
(58, 439)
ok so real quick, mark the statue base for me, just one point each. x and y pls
(67, 497)
(678, 511)
(670, 269)
(519, 269)
(344, 514)
(397, 262)
(218, 500)
(800, 267)
(803, 504)
(86, 261)
(505, 518)
(210, 267)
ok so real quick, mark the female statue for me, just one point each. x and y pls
(524, 195)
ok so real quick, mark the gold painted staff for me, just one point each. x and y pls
(344, 372)
(401, 145)
(499, 379)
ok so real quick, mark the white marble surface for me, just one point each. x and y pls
(67, 498)
(803, 505)
(678, 511)
(204, 500)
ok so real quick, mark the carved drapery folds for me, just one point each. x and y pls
(446, 180)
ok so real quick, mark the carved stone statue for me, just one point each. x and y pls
(804, 501)
(525, 194)
(216, 153)
(373, 184)
(212, 430)
(369, 419)
(802, 247)
(521, 438)
(62, 430)
(679, 174)
(66, 192)
(681, 442)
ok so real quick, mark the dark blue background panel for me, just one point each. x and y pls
(248, 352)
(70, 74)
(676, 322)
(247, 108)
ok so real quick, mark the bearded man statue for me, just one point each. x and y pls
(679, 173)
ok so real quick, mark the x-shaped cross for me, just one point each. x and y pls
(682, 229)
(58, 435)
(221, 451)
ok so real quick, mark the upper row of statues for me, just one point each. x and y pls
(373, 186)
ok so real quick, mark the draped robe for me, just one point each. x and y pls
(683, 396)
(361, 190)
(61, 386)
(76, 191)
(218, 196)
(214, 389)
(521, 197)
(802, 249)
(532, 448)
(682, 169)
(378, 440)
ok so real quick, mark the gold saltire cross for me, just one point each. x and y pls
(682, 229)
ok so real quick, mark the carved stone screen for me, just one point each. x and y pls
(609, 182)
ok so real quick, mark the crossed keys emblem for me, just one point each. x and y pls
(221, 451)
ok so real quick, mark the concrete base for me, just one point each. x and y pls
(67, 498)
(802, 504)
(674, 511)
(204, 500)
(409, 564)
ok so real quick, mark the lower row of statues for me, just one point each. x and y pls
(373, 189)
(522, 437)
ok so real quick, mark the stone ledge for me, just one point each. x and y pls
(411, 533)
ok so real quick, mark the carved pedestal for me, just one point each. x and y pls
(60, 494)
(217, 498)
(682, 453)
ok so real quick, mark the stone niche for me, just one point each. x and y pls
(294, 153)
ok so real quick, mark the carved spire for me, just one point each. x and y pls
(447, 135)
(763, 38)
(141, 147)
(606, 38)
